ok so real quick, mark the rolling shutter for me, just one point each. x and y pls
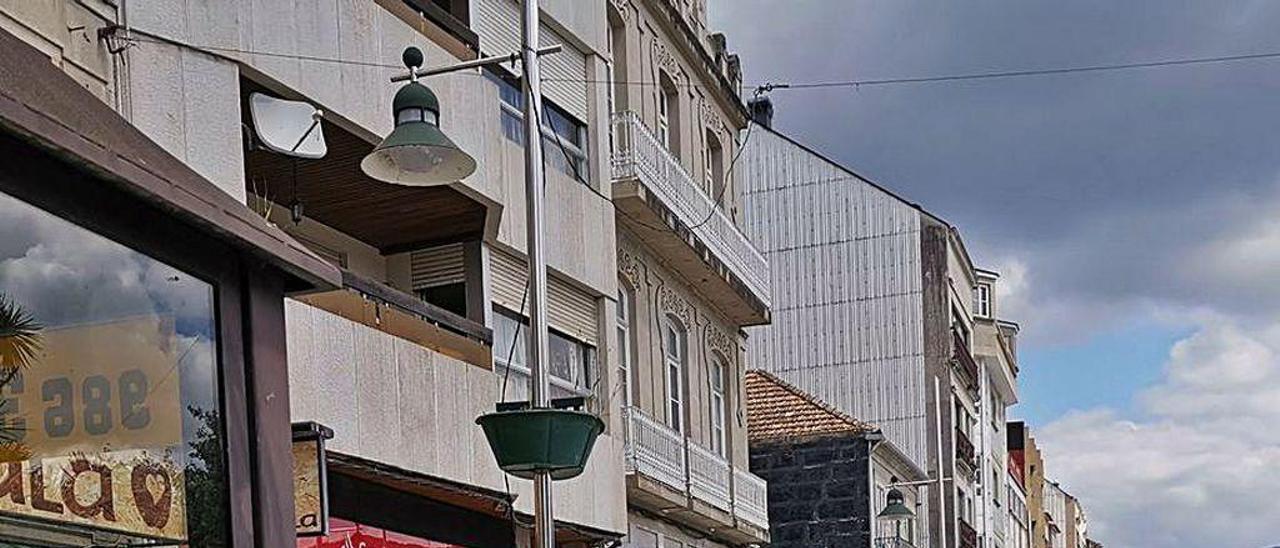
(563, 74)
(437, 266)
(569, 310)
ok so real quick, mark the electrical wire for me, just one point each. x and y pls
(728, 175)
(768, 86)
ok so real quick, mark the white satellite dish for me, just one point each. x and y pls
(287, 127)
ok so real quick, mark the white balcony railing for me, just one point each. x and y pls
(637, 153)
(655, 450)
(750, 498)
(709, 477)
(663, 454)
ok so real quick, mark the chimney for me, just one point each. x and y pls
(761, 109)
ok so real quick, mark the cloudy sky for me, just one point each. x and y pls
(1134, 214)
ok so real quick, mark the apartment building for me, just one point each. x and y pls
(1077, 524)
(1025, 455)
(995, 347)
(421, 332)
(874, 313)
(833, 480)
(689, 279)
(1055, 514)
(1018, 521)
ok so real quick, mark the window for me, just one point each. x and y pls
(673, 351)
(668, 114)
(982, 298)
(718, 437)
(555, 122)
(110, 370)
(713, 169)
(569, 362)
(625, 314)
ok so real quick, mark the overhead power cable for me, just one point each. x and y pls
(143, 36)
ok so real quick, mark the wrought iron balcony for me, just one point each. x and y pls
(695, 218)
(664, 455)
(964, 450)
(968, 536)
(963, 359)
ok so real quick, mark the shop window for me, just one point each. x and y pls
(108, 382)
(556, 123)
(570, 360)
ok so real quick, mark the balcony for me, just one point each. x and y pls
(685, 481)
(964, 451)
(968, 536)
(964, 362)
(660, 201)
(893, 542)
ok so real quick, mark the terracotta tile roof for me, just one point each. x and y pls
(777, 410)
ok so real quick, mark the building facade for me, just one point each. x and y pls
(143, 391)
(995, 347)
(1077, 524)
(422, 332)
(689, 279)
(874, 312)
(829, 474)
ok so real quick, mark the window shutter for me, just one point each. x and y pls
(564, 74)
(569, 309)
(437, 266)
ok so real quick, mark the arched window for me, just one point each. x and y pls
(626, 315)
(719, 437)
(674, 352)
(668, 114)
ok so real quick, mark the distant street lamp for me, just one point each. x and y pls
(895, 512)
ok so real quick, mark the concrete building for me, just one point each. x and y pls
(688, 278)
(995, 347)
(423, 335)
(829, 474)
(1025, 455)
(874, 313)
(1055, 514)
(1077, 524)
(1018, 521)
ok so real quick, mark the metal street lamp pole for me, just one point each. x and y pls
(544, 531)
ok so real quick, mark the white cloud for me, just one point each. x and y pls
(1201, 467)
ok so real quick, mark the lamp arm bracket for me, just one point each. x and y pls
(481, 62)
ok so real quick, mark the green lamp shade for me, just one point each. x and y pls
(527, 441)
(894, 509)
(417, 153)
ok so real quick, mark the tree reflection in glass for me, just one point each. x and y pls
(109, 367)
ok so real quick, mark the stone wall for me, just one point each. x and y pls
(819, 491)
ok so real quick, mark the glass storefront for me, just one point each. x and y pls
(110, 416)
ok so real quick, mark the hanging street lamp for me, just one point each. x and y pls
(538, 440)
(417, 153)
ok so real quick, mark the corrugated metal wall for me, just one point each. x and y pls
(845, 268)
(564, 74)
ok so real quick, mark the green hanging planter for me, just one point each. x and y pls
(531, 440)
